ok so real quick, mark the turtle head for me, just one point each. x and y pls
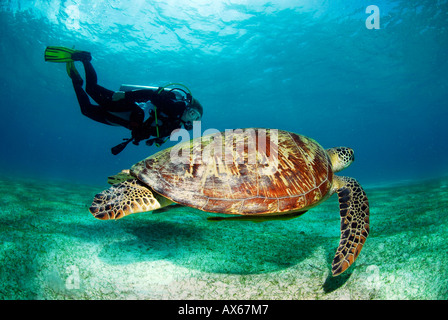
(341, 157)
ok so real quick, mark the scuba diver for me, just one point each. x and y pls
(146, 111)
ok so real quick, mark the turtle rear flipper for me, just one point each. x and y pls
(354, 211)
(125, 198)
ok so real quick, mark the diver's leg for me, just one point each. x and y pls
(132, 115)
(89, 110)
(91, 77)
(101, 95)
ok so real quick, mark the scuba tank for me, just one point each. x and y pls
(181, 94)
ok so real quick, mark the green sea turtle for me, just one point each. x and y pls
(249, 173)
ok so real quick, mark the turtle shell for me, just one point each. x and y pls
(250, 171)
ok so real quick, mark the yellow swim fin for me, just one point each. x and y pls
(59, 54)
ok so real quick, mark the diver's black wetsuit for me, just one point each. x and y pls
(126, 112)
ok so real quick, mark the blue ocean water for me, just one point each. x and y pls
(311, 67)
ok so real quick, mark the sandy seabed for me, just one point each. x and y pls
(52, 248)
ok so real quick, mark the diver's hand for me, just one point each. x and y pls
(118, 95)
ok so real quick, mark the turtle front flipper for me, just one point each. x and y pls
(123, 175)
(125, 198)
(354, 210)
